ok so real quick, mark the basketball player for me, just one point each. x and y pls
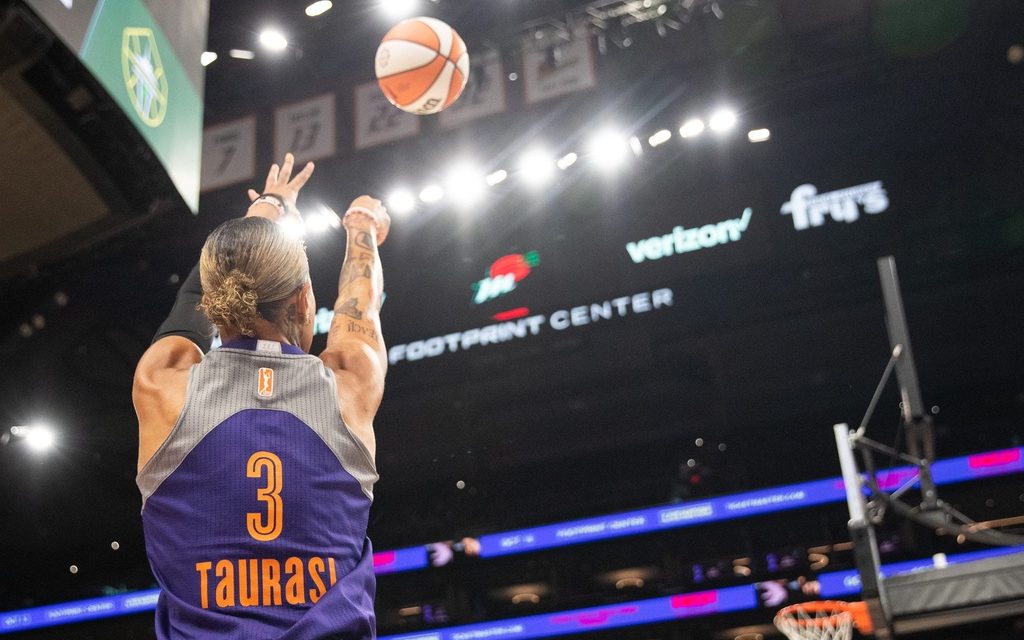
(256, 461)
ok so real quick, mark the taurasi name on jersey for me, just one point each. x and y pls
(264, 582)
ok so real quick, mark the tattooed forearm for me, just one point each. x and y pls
(350, 308)
(353, 271)
(360, 329)
(364, 240)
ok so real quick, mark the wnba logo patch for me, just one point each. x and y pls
(265, 382)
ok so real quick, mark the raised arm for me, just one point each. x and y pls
(355, 347)
(161, 377)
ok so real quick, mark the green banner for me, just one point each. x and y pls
(125, 48)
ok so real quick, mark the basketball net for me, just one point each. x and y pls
(824, 620)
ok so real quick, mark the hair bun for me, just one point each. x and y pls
(233, 302)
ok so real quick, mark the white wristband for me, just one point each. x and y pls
(275, 202)
(358, 210)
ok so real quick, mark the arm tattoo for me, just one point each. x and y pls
(363, 240)
(366, 331)
(350, 309)
(352, 271)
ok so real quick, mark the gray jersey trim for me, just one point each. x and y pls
(225, 382)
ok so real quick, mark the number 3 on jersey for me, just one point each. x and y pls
(267, 530)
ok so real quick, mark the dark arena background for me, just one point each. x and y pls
(631, 285)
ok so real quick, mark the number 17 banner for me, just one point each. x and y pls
(229, 153)
(378, 121)
(305, 129)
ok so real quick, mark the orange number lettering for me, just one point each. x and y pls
(268, 530)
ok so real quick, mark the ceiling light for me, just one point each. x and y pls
(1015, 54)
(520, 598)
(39, 438)
(659, 137)
(292, 226)
(536, 167)
(242, 54)
(567, 161)
(631, 582)
(319, 8)
(758, 135)
(317, 223)
(608, 149)
(496, 177)
(467, 183)
(431, 193)
(722, 120)
(692, 128)
(400, 202)
(398, 8)
(635, 146)
(207, 58)
(273, 40)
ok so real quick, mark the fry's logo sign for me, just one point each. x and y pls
(503, 275)
(809, 208)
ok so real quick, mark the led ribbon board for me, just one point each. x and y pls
(627, 614)
(686, 514)
(960, 469)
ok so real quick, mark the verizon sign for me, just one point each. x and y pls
(810, 208)
(682, 240)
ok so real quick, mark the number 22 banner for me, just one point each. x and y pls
(378, 121)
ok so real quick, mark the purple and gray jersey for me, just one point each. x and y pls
(255, 508)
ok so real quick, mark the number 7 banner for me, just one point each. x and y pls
(229, 153)
(306, 129)
(377, 121)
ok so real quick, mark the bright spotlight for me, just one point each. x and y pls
(758, 135)
(319, 8)
(536, 167)
(398, 8)
(465, 182)
(207, 58)
(273, 40)
(692, 128)
(431, 193)
(400, 202)
(659, 137)
(496, 177)
(39, 438)
(292, 226)
(636, 147)
(608, 149)
(722, 120)
(241, 54)
(317, 222)
(567, 161)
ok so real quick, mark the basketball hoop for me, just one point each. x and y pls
(823, 620)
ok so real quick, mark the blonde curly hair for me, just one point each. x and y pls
(248, 268)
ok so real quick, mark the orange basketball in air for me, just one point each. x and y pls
(422, 65)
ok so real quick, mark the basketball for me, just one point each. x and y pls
(422, 65)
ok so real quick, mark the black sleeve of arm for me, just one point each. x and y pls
(186, 319)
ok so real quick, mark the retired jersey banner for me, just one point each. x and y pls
(305, 129)
(558, 69)
(484, 94)
(377, 121)
(229, 153)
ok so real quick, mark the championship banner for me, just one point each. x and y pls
(377, 121)
(229, 153)
(305, 129)
(558, 69)
(484, 94)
